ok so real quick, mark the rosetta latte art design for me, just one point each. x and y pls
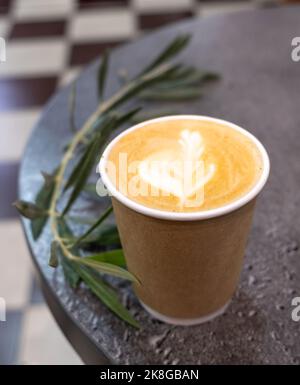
(184, 165)
(182, 172)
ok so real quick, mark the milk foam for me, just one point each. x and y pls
(178, 172)
(184, 165)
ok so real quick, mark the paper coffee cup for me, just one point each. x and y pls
(188, 263)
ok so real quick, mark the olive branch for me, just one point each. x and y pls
(161, 80)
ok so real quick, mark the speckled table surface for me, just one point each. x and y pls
(259, 90)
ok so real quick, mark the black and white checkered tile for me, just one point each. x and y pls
(48, 41)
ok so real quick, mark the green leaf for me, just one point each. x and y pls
(106, 295)
(83, 174)
(69, 267)
(70, 272)
(106, 235)
(63, 228)
(74, 272)
(54, 256)
(29, 210)
(172, 95)
(43, 200)
(66, 233)
(163, 72)
(72, 106)
(102, 126)
(115, 257)
(94, 226)
(199, 77)
(127, 116)
(102, 74)
(86, 164)
(76, 170)
(188, 77)
(49, 179)
(177, 45)
(107, 268)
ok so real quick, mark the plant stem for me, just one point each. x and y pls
(60, 177)
(79, 137)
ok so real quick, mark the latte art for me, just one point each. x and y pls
(179, 171)
(184, 165)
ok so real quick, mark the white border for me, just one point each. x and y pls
(191, 216)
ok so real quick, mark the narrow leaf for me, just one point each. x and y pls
(43, 200)
(163, 72)
(95, 225)
(99, 124)
(191, 78)
(63, 228)
(74, 272)
(49, 179)
(102, 74)
(69, 267)
(29, 210)
(127, 116)
(76, 171)
(108, 268)
(82, 175)
(115, 257)
(53, 261)
(44, 195)
(70, 272)
(177, 45)
(106, 235)
(106, 295)
(103, 127)
(85, 168)
(172, 95)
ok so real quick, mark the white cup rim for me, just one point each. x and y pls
(195, 215)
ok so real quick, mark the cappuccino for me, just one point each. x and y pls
(183, 192)
(184, 164)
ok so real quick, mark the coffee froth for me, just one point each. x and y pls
(184, 165)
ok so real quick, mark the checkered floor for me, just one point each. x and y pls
(48, 41)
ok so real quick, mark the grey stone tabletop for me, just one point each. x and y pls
(259, 91)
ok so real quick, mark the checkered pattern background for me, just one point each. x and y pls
(48, 41)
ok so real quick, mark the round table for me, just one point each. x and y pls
(259, 90)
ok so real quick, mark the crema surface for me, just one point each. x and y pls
(184, 165)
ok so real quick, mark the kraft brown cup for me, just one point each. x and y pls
(189, 264)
